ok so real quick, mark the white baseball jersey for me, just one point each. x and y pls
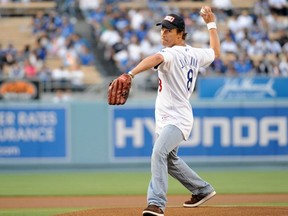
(177, 76)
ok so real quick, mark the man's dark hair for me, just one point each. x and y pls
(184, 35)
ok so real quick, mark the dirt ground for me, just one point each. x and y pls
(222, 205)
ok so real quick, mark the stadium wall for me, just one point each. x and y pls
(95, 134)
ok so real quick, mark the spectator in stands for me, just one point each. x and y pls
(230, 69)
(2, 56)
(96, 15)
(44, 74)
(108, 38)
(282, 37)
(29, 70)
(70, 57)
(275, 22)
(228, 45)
(53, 23)
(263, 45)
(285, 48)
(76, 78)
(244, 20)
(243, 65)
(232, 23)
(77, 42)
(261, 8)
(85, 56)
(34, 59)
(250, 34)
(134, 50)
(16, 71)
(275, 47)
(261, 67)
(40, 48)
(67, 28)
(88, 6)
(283, 66)
(198, 36)
(39, 22)
(70, 7)
(278, 6)
(146, 46)
(218, 66)
(256, 33)
(120, 55)
(9, 59)
(224, 5)
(137, 18)
(255, 49)
(61, 78)
(11, 50)
(275, 70)
(23, 54)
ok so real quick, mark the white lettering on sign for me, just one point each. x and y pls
(279, 134)
(32, 126)
(251, 126)
(209, 124)
(231, 131)
(9, 151)
(39, 134)
(136, 131)
(7, 118)
(37, 118)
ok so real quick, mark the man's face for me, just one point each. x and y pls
(170, 37)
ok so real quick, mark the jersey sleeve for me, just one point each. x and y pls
(168, 57)
(206, 56)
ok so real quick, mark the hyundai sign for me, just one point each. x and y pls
(217, 131)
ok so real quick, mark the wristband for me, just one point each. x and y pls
(131, 74)
(211, 25)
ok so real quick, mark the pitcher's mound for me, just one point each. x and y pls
(177, 211)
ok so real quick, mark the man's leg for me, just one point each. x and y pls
(178, 169)
(168, 140)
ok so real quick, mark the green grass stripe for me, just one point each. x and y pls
(37, 212)
(134, 183)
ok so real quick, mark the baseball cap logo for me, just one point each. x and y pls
(169, 18)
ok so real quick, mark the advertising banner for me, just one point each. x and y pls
(19, 90)
(33, 132)
(217, 131)
(243, 88)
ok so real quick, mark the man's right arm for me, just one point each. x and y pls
(148, 63)
(209, 18)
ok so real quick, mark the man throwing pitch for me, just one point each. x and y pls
(178, 65)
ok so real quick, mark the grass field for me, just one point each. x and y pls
(134, 183)
(126, 183)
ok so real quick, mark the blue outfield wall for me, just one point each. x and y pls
(97, 134)
(77, 133)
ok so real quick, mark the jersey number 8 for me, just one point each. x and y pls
(190, 79)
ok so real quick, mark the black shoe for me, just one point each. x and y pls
(197, 200)
(153, 210)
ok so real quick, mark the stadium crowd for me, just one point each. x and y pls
(54, 37)
(253, 41)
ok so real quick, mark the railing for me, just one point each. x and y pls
(27, 8)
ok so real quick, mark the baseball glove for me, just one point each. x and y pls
(119, 89)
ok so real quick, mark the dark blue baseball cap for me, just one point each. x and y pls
(172, 21)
